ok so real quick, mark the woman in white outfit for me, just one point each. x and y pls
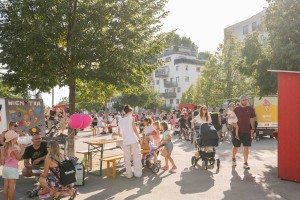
(131, 146)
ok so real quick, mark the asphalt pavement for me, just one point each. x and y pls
(187, 182)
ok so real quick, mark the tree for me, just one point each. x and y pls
(257, 62)
(147, 99)
(176, 41)
(188, 95)
(282, 24)
(5, 92)
(221, 77)
(204, 55)
(51, 42)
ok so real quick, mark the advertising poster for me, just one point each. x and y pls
(266, 110)
(27, 113)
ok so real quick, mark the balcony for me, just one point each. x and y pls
(169, 95)
(161, 73)
(169, 84)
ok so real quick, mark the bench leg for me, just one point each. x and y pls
(94, 131)
(90, 161)
(111, 169)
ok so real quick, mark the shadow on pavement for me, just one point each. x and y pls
(194, 180)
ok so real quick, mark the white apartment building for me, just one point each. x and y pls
(180, 69)
(242, 29)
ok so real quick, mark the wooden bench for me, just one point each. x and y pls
(87, 156)
(111, 169)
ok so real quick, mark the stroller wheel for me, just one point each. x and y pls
(194, 161)
(155, 168)
(218, 163)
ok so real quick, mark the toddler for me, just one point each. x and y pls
(232, 119)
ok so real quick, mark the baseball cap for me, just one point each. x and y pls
(232, 104)
(242, 97)
(10, 135)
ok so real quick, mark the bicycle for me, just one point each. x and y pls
(54, 130)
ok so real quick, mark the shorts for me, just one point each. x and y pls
(244, 138)
(10, 173)
(169, 147)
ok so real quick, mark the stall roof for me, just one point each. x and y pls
(283, 71)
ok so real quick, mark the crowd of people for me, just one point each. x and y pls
(155, 128)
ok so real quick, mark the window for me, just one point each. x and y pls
(198, 69)
(166, 90)
(254, 26)
(187, 79)
(177, 79)
(168, 59)
(177, 101)
(186, 68)
(245, 30)
(177, 68)
(157, 82)
(171, 101)
(179, 90)
(171, 80)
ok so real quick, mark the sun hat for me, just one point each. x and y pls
(242, 97)
(10, 135)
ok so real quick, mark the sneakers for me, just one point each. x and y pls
(246, 166)
(165, 168)
(173, 168)
(233, 162)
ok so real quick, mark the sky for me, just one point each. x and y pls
(201, 20)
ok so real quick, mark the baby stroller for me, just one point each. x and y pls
(146, 160)
(205, 135)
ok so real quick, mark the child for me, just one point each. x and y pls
(12, 152)
(232, 119)
(168, 146)
(149, 131)
(173, 121)
(156, 137)
(176, 129)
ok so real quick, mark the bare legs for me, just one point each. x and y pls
(9, 189)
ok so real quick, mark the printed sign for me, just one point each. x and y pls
(266, 110)
(27, 113)
(3, 122)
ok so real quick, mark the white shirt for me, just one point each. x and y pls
(126, 128)
(200, 120)
(232, 118)
(148, 130)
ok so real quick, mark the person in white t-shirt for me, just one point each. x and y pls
(131, 137)
(232, 119)
(203, 117)
(149, 131)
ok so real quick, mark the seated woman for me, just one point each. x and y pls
(49, 180)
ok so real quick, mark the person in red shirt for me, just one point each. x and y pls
(245, 115)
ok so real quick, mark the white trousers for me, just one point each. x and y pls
(134, 150)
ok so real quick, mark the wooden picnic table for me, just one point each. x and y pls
(98, 145)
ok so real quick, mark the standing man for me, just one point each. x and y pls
(51, 117)
(245, 115)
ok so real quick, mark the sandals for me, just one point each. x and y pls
(32, 193)
(165, 168)
(74, 194)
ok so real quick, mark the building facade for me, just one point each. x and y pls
(180, 69)
(242, 29)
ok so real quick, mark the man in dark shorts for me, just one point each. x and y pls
(183, 125)
(245, 115)
(36, 153)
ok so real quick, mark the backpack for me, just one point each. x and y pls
(67, 172)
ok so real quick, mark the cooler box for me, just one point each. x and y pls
(80, 174)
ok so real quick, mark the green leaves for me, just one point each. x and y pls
(282, 23)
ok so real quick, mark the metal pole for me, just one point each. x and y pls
(53, 96)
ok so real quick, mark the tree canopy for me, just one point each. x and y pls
(282, 24)
(52, 42)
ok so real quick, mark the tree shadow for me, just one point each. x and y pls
(194, 181)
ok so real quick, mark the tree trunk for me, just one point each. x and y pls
(71, 132)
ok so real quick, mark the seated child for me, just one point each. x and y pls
(232, 119)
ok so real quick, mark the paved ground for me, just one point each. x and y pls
(260, 182)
